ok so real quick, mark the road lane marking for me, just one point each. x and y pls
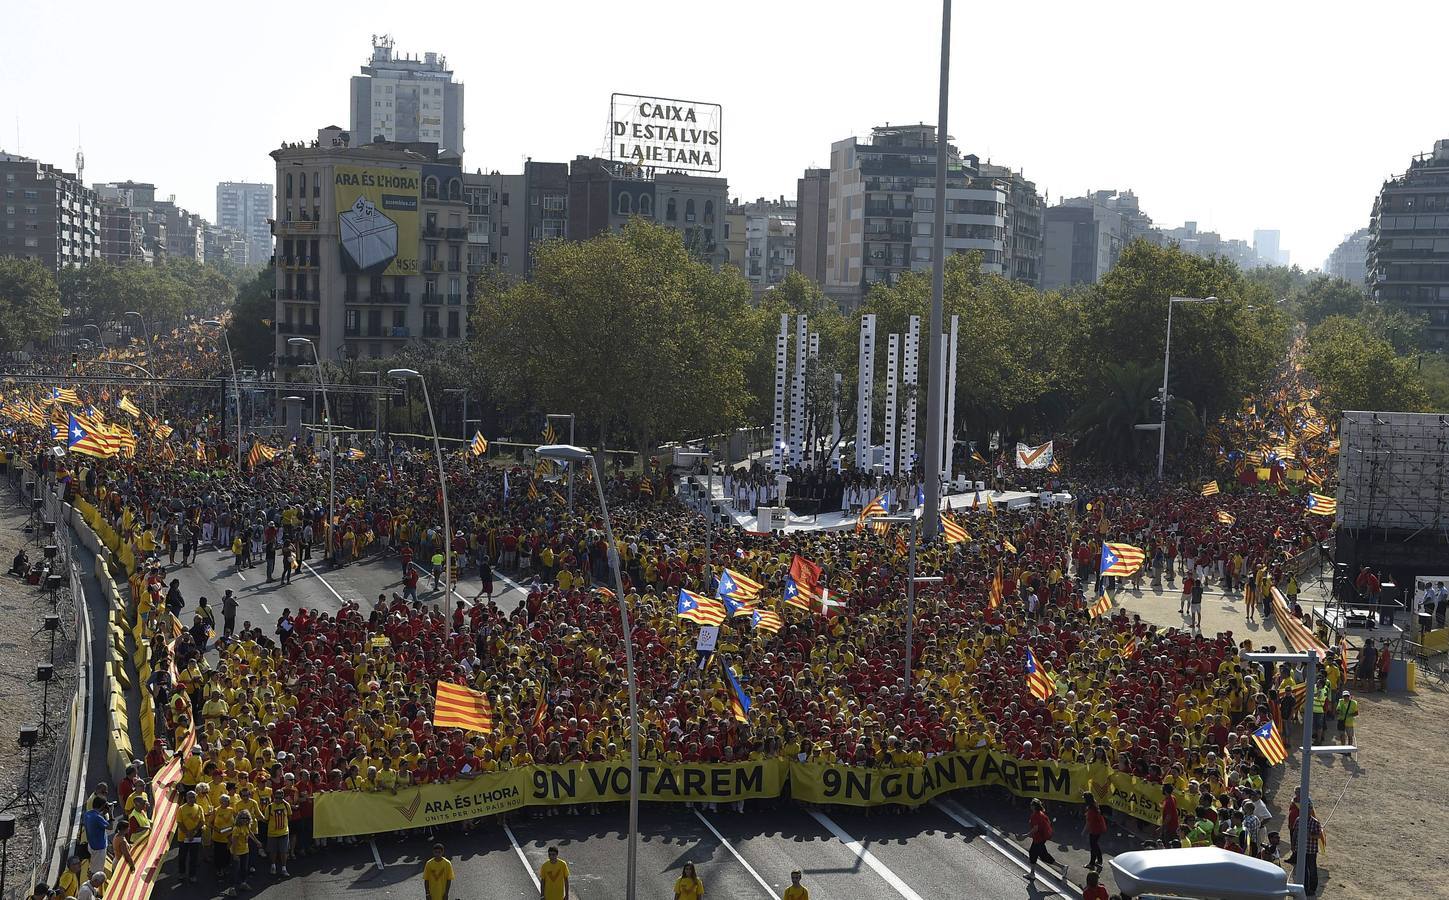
(265, 610)
(736, 854)
(376, 857)
(1004, 845)
(513, 839)
(325, 583)
(866, 856)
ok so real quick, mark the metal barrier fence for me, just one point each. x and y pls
(54, 815)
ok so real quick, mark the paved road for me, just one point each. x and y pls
(934, 852)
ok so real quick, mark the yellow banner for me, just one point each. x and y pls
(342, 813)
(377, 219)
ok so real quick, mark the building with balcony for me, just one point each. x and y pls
(1349, 258)
(131, 232)
(47, 214)
(1408, 242)
(605, 194)
(404, 99)
(879, 217)
(769, 240)
(1083, 237)
(1024, 207)
(372, 245)
(246, 208)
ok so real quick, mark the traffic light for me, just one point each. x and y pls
(74, 363)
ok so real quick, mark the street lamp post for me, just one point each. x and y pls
(1309, 660)
(149, 361)
(442, 478)
(708, 459)
(570, 417)
(331, 450)
(235, 385)
(1166, 361)
(935, 386)
(573, 456)
(911, 582)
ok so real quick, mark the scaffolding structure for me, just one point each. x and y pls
(1392, 470)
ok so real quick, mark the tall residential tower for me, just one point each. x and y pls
(407, 100)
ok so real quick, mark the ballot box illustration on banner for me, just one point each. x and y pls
(368, 236)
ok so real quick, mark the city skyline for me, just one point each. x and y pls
(1091, 102)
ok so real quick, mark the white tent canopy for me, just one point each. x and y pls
(1209, 873)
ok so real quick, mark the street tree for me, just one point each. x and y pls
(30, 307)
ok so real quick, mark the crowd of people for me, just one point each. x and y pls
(332, 701)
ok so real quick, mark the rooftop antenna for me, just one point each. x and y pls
(80, 160)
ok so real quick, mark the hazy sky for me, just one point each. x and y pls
(1240, 115)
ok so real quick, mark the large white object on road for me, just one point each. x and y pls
(1203, 873)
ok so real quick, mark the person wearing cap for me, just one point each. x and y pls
(1346, 712)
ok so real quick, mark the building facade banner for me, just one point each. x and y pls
(377, 219)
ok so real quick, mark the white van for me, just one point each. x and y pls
(1200, 873)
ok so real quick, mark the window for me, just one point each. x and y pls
(646, 205)
(455, 189)
(302, 185)
(289, 184)
(689, 210)
(708, 212)
(505, 198)
(505, 230)
(670, 214)
(430, 187)
(351, 321)
(625, 204)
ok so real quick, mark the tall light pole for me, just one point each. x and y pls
(235, 385)
(1309, 660)
(570, 417)
(331, 450)
(707, 458)
(1166, 361)
(149, 361)
(935, 389)
(405, 374)
(911, 582)
(573, 456)
(142, 369)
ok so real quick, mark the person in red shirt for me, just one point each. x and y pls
(1169, 817)
(1093, 889)
(1040, 830)
(1094, 827)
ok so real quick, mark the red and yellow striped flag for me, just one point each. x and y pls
(456, 706)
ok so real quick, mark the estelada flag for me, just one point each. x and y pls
(1270, 744)
(796, 596)
(479, 446)
(1320, 505)
(1121, 560)
(455, 706)
(1038, 682)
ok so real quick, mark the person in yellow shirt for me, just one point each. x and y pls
(796, 890)
(189, 821)
(688, 886)
(240, 842)
(553, 877)
(437, 875)
(279, 816)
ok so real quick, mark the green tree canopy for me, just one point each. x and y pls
(642, 342)
(252, 338)
(1357, 369)
(30, 307)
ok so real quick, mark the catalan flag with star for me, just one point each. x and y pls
(1120, 560)
(766, 620)
(479, 445)
(1038, 682)
(1320, 505)
(1270, 743)
(739, 700)
(699, 609)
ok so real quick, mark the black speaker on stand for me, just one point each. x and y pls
(26, 800)
(50, 623)
(7, 831)
(44, 675)
(53, 583)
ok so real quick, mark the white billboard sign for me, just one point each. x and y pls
(660, 133)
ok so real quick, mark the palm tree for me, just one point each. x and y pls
(1127, 397)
